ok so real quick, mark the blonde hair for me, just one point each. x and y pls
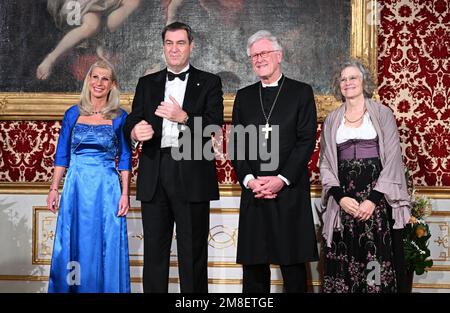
(112, 107)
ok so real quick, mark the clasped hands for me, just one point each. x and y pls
(265, 187)
(361, 211)
(171, 111)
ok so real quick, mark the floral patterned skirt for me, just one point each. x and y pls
(360, 258)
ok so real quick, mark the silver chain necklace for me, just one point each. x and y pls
(267, 128)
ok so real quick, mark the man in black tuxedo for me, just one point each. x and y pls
(275, 219)
(165, 106)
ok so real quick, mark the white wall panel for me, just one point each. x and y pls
(27, 232)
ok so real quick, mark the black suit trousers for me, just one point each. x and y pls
(256, 278)
(169, 206)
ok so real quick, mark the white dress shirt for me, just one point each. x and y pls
(175, 88)
(364, 131)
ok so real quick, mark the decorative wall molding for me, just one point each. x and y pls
(229, 190)
(23, 278)
(51, 106)
(222, 240)
(213, 281)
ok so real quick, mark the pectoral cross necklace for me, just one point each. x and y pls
(267, 128)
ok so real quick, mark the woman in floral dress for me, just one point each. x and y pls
(364, 195)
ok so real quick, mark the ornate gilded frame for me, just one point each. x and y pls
(51, 106)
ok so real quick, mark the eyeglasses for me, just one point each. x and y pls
(262, 54)
(349, 79)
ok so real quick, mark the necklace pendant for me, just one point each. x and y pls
(266, 130)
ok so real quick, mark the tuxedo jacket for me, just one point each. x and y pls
(203, 98)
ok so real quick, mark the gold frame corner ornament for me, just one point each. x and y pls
(51, 106)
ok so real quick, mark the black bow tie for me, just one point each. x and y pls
(182, 75)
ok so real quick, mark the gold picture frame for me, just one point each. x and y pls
(51, 106)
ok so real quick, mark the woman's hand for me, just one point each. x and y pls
(52, 200)
(124, 205)
(366, 209)
(349, 205)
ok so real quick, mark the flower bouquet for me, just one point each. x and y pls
(417, 234)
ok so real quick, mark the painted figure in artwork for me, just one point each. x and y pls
(81, 20)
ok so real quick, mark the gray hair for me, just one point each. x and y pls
(263, 34)
(367, 80)
(112, 108)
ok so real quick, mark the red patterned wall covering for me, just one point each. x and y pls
(27, 151)
(414, 77)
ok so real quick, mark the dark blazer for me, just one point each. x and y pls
(203, 98)
(278, 231)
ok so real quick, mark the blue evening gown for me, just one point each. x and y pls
(90, 252)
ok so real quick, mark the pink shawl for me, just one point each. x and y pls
(391, 181)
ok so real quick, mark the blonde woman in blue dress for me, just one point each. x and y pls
(90, 252)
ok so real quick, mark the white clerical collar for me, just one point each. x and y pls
(274, 84)
(183, 70)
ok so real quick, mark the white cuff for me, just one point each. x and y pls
(247, 178)
(286, 181)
